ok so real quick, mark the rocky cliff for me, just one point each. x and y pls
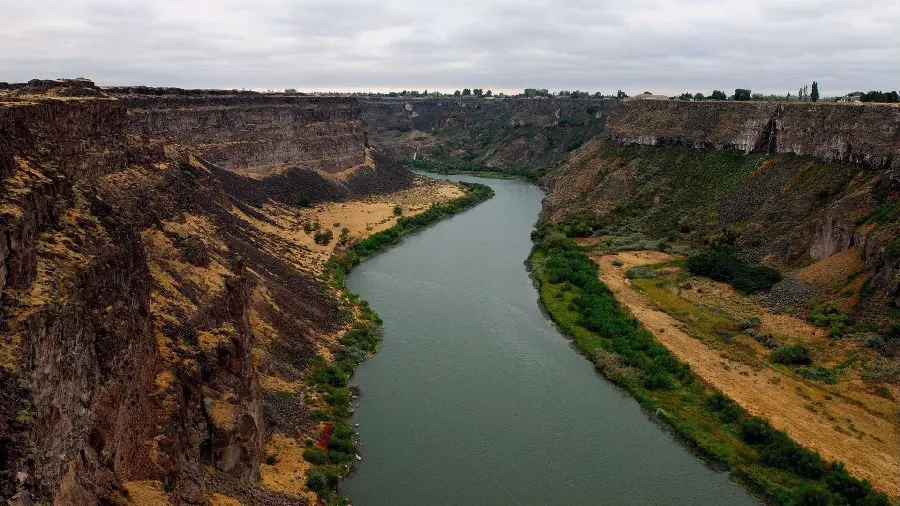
(152, 306)
(254, 133)
(859, 134)
(501, 131)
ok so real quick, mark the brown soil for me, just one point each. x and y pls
(841, 422)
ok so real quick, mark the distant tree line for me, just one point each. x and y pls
(890, 97)
(807, 93)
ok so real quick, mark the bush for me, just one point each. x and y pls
(818, 373)
(797, 354)
(722, 265)
(783, 453)
(618, 263)
(831, 317)
(765, 339)
(324, 237)
(728, 410)
(880, 370)
(398, 210)
(316, 456)
(814, 496)
(755, 431)
(752, 322)
(321, 482)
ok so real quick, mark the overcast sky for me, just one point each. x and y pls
(664, 46)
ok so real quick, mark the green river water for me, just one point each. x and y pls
(476, 398)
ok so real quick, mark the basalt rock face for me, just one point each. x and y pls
(866, 135)
(253, 132)
(507, 131)
(142, 296)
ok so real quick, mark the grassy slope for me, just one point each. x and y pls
(630, 357)
(332, 458)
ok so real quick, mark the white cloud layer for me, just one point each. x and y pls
(664, 46)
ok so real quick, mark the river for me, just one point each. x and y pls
(476, 398)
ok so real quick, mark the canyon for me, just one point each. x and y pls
(161, 302)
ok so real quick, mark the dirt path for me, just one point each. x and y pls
(810, 414)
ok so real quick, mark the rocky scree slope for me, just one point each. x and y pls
(147, 305)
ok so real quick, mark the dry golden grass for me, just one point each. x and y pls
(216, 499)
(842, 422)
(833, 271)
(288, 472)
(222, 412)
(147, 493)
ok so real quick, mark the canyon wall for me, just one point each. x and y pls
(860, 134)
(253, 132)
(148, 289)
(499, 131)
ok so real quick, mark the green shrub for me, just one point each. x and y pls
(316, 456)
(797, 354)
(751, 322)
(338, 457)
(341, 445)
(398, 210)
(818, 373)
(765, 339)
(723, 265)
(814, 496)
(880, 370)
(828, 315)
(322, 482)
(728, 410)
(755, 431)
(324, 237)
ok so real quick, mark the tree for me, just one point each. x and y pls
(686, 96)
(742, 95)
(621, 94)
(489, 93)
(535, 92)
(467, 92)
(718, 95)
(814, 95)
(457, 93)
(699, 96)
(478, 92)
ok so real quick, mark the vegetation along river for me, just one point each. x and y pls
(476, 398)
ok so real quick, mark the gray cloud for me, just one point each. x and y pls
(665, 46)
